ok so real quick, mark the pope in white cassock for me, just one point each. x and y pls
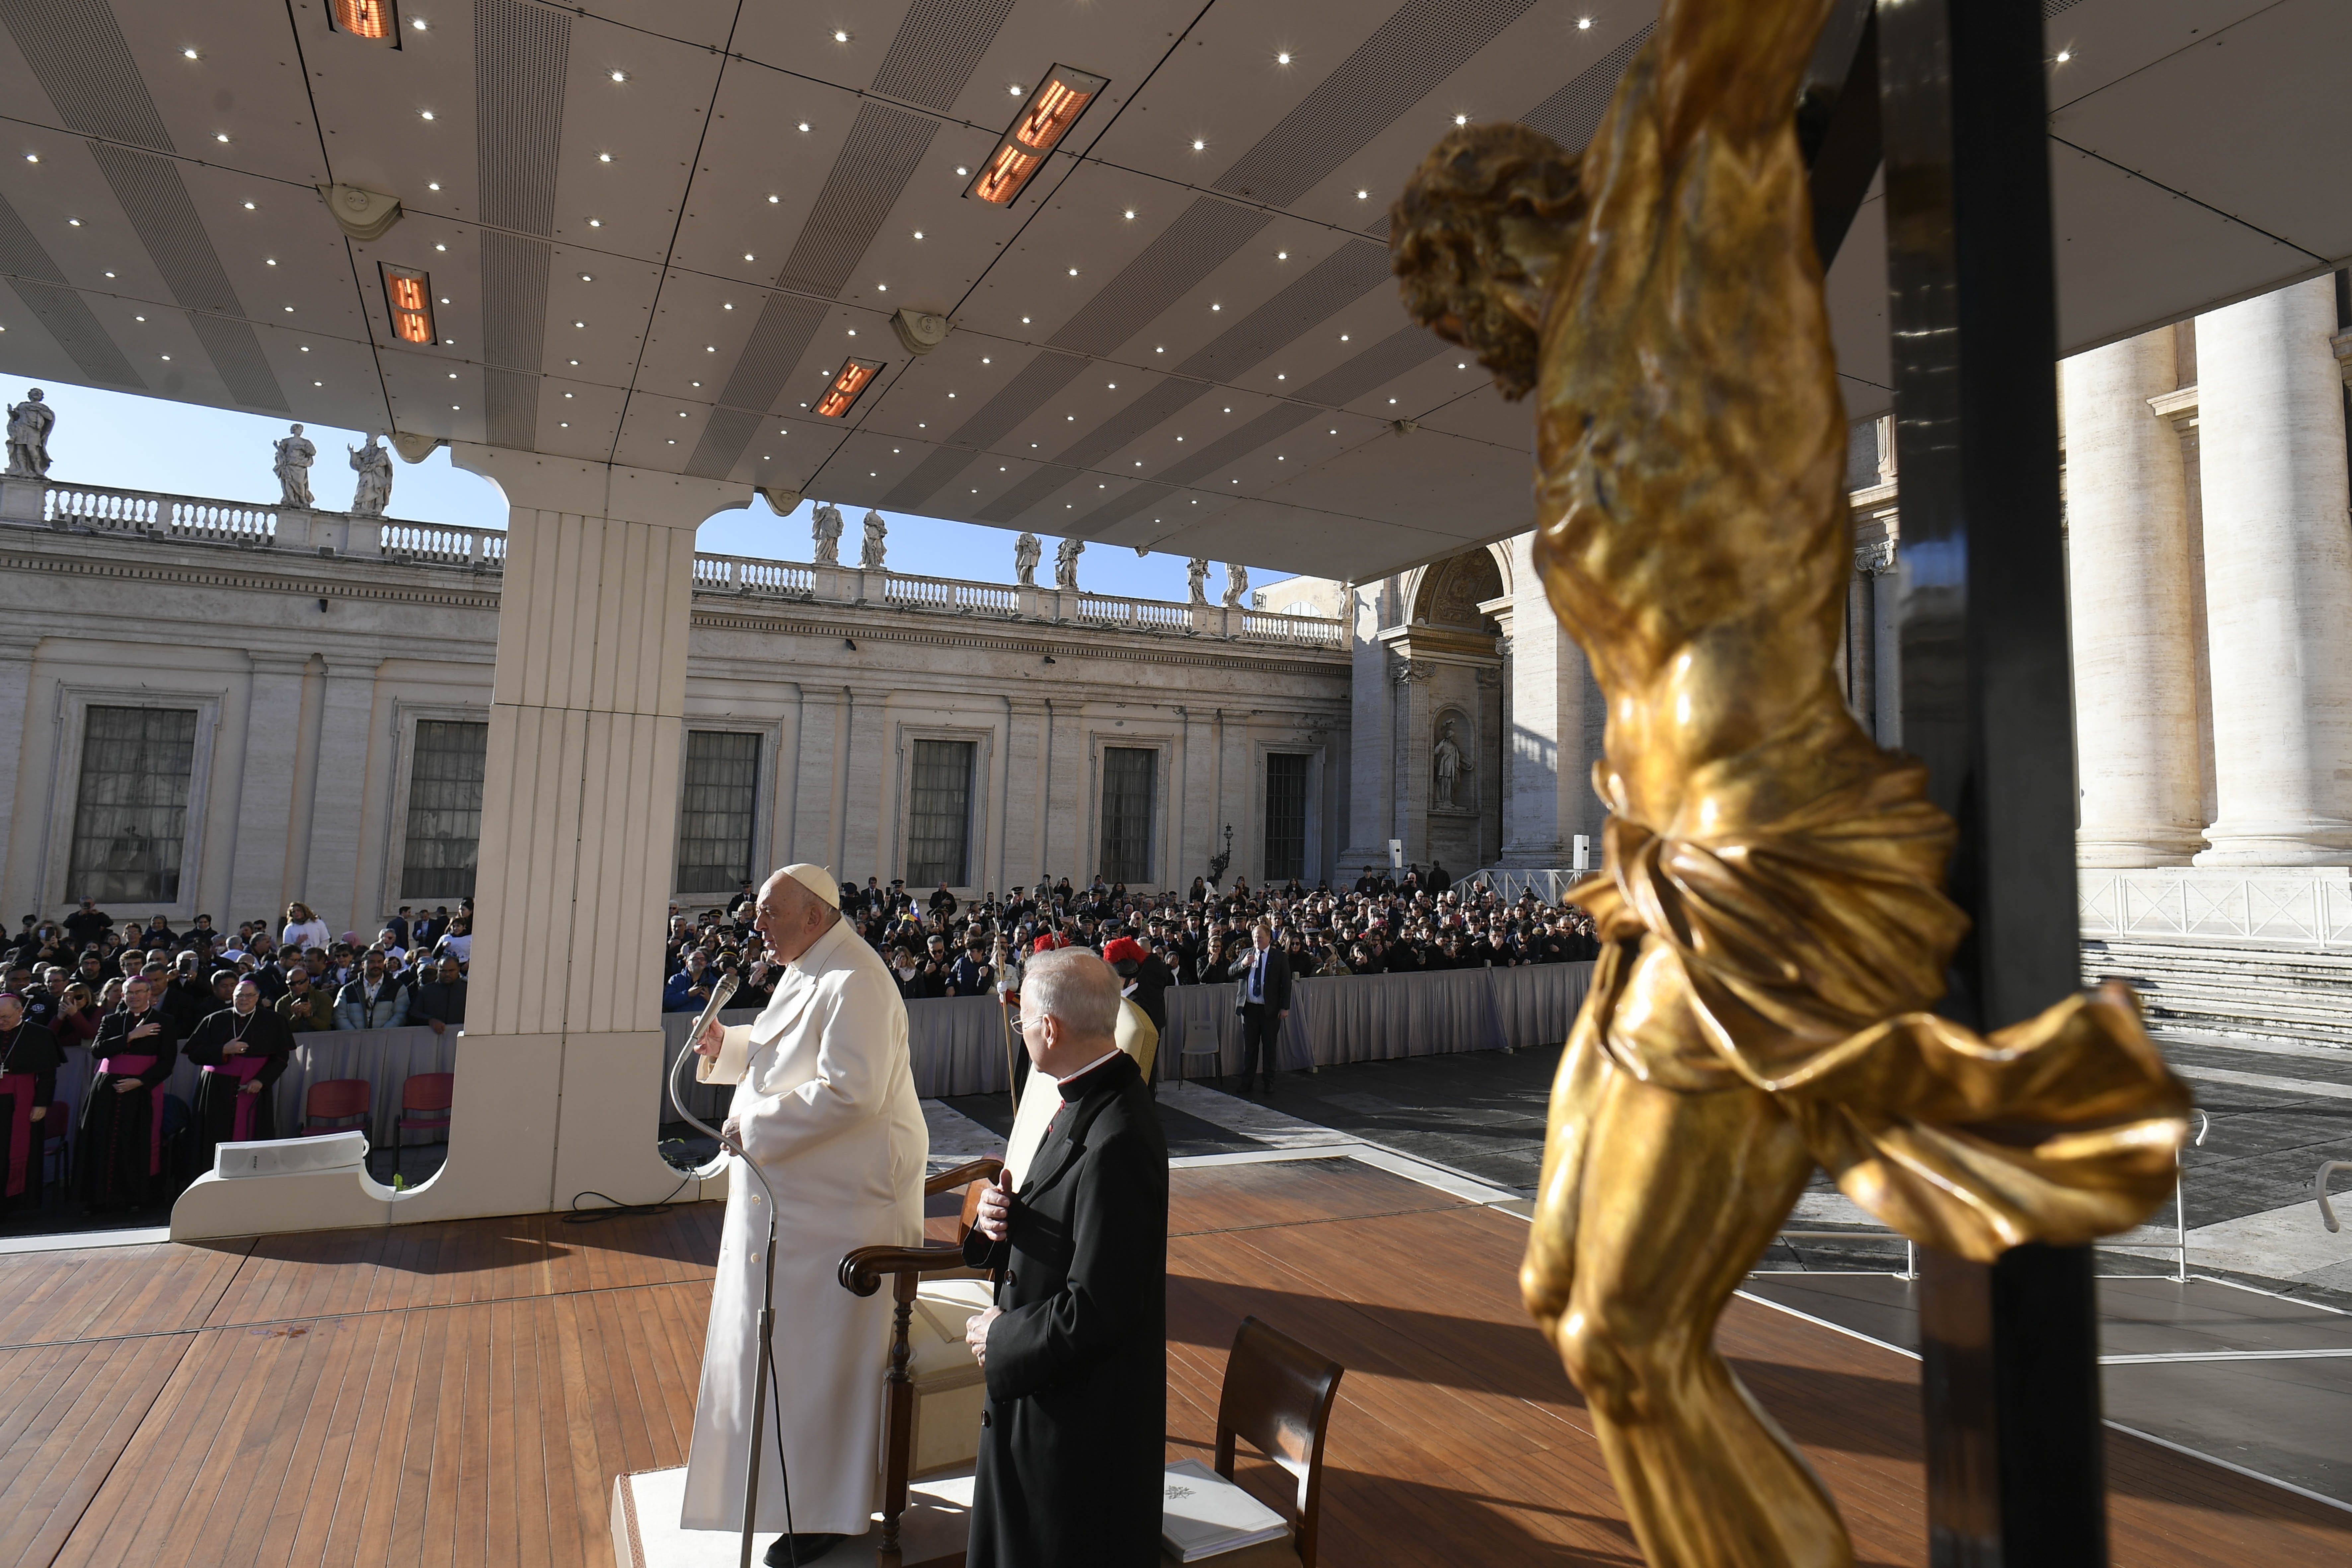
(826, 1108)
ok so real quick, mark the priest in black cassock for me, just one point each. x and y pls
(1073, 1433)
(243, 1049)
(29, 1058)
(119, 1157)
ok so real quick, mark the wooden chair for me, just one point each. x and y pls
(1277, 1397)
(336, 1099)
(862, 1273)
(429, 1091)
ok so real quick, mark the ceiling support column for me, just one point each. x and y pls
(559, 1070)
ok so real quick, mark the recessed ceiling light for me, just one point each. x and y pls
(962, 170)
(270, 261)
(189, 53)
(728, 306)
(773, 200)
(596, 223)
(1074, 272)
(1343, 337)
(1363, 196)
(563, 423)
(1282, 256)
(1216, 307)
(109, 275)
(1130, 212)
(681, 413)
(748, 257)
(306, 347)
(290, 309)
(584, 278)
(803, 126)
(418, 22)
(440, 247)
(1025, 320)
(1282, 378)
(220, 135)
(575, 361)
(710, 348)
(852, 332)
(840, 36)
(1283, 58)
(1461, 120)
(983, 359)
(2065, 55)
(1333, 432)
(1199, 145)
(142, 317)
(167, 358)
(1462, 368)
(1584, 24)
(579, 323)
(73, 222)
(32, 157)
(1160, 350)
(619, 76)
(1111, 386)
(1014, 90)
(604, 157)
(567, 394)
(425, 114)
(432, 185)
(1392, 400)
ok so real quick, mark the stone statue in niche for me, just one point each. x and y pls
(824, 528)
(29, 424)
(372, 464)
(295, 454)
(1196, 572)
(1066, 563)
(1236, 585)
(1447, 763)
(870, 558)
(1027, 550)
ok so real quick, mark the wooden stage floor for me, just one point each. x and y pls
(463, 1394)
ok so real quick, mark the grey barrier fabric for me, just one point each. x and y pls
(385, 1058)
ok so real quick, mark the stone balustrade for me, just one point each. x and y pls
(104, 511)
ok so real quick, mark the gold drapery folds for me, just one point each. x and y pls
(1800, 957)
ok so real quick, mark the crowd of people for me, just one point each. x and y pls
(939, 946)
(116, 1006)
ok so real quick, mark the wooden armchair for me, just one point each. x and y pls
(1278, 1395)
(949, 1384)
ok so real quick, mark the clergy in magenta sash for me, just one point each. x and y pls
(824, 1102)
(29, 1057)
(118, 1156)
(243, 1050)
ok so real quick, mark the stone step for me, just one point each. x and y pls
(2264, 993)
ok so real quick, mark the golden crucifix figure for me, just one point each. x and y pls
(1772, 915)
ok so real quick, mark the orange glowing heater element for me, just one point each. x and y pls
(409, 293)
(377, 21)
(1042, 124)
(853, 380)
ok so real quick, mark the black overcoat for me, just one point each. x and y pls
(1073, 1436)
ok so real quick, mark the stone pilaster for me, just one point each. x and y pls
(1553, 736)
(1410, 730)
(258, 881)
(2278, 578)
(2133, 618)
(1372, 749)
(817, 778)
(19, 840)
(330, 882)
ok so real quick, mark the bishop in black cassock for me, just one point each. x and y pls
(243, 1049)
(1073, 1433)
(118, 1156)
(29, 1057)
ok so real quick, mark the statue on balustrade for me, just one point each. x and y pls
(824, 527)
(1236, 585)
(295, 454)
(372, 463)
(1773, 924)
(1196, 574)
(870, 558)
(1027, 550)
(1066, 563)
(29, 424)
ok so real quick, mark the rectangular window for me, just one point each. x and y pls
(444, 809)
(1285, 816)
(938, 815)
(1127, 773)
(714, 812)
(131, 811)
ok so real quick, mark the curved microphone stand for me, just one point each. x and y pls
(764, 1378)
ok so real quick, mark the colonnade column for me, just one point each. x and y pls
(2278, 579)
(1370, 744)
(1555, 721)
(2132, 612)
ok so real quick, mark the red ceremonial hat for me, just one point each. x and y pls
(1043, 944)
(1124, 948)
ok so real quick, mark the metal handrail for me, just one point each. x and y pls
(2319, 1192)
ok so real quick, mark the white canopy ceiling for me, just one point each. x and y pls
(1183, 334)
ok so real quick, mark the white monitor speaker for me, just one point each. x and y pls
(288, 1156)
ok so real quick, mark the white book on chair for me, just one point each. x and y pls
(1204, 1515)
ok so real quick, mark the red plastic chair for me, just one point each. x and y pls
(53, 1141)
(422, 1091)
(336, 1099)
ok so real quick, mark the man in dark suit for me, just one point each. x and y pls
(1075, 1349)
(1263, 1003)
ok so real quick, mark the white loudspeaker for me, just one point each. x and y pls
(1584, 860)
(287, 1156)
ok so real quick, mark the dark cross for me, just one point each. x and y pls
(1952, 93)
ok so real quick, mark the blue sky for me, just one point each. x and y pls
(128, 442)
